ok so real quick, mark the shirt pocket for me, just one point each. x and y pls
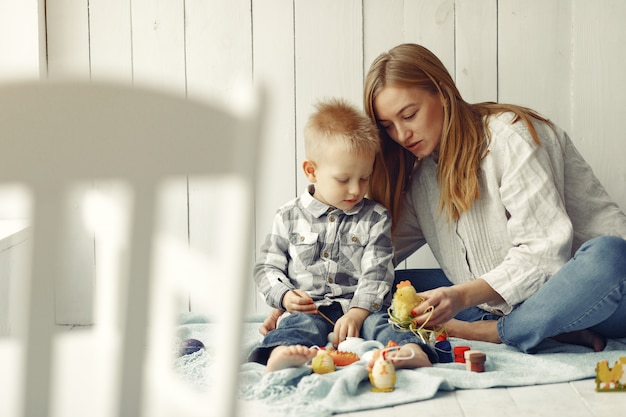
(353, 245)
(303, 248)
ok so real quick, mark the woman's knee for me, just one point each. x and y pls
(610, 250)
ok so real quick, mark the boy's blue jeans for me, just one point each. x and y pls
(312, 330)
(588, 292)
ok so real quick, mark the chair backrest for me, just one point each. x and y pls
(56, 136)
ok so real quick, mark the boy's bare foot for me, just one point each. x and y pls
(270, 321)
(482, 330)
(409, 356)
(289, 357)
(584, 337)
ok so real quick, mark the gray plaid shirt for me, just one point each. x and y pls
(335, 256)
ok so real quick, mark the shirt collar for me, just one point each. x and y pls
(318, 209)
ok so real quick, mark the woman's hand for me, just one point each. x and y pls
(448, 301)
(349, 325)
(298, 301)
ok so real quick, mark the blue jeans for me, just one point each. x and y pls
(313, 329)
(588, 292)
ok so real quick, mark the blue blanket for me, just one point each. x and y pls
(298, 391)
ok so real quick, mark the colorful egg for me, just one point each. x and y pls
(383, 375)
(323, 363)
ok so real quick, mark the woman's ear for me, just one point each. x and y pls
(309, 169)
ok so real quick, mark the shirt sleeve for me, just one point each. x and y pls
(377, 272)
(538, 225)
(270, 270)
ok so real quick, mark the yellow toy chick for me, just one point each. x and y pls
(405, 299)
(401, 312)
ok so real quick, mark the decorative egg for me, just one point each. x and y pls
(323, 363)
(383, 375)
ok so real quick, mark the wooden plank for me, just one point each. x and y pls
(273, 40)
(68, 57)
(548, 401)
(431, 24)
(443, 403)
(218, 47)
(110, 40)
(158, 44)
(492, 402)
(383, 28)
(158, 56)
(534, 56)
(599, 91)
(328, 58)
(68, 39)
(22, 39)
(218, 58)
(600, 403)
(426, 22)
(476, 34)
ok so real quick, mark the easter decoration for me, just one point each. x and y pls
(402, 313)
(382, 374)
(323, 363)
(342, 358)
(328, 360)
(611, 379)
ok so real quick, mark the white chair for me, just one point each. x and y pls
(56, 135)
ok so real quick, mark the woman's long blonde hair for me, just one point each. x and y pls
(464, 137)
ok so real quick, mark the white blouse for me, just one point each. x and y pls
(538, 204)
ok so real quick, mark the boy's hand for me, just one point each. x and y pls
(349, 325)
(298, 301)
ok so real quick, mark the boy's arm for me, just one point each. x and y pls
(270, 270)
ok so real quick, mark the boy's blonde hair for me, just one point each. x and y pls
(338, 123)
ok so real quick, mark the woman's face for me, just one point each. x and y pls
(412, 117)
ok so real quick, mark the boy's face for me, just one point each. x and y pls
(341, 178)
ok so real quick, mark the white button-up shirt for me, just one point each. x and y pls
(538, 204)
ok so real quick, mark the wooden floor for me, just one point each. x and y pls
(574, 399)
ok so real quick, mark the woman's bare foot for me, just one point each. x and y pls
(409, 356)
(419, 359)
(584, 337)
(482, 330)
(289, 357)
(270, 321)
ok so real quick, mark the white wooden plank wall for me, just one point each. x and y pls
(563, 57)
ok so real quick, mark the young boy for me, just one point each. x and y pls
(328, 260)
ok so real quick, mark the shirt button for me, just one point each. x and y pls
(301, 238)
(325, 254)
(330, 280)
(375, 306)
(331, 219)
(354, 239)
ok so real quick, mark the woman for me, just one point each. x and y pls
(513, 214)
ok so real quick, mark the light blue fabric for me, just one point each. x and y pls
(299, 392)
